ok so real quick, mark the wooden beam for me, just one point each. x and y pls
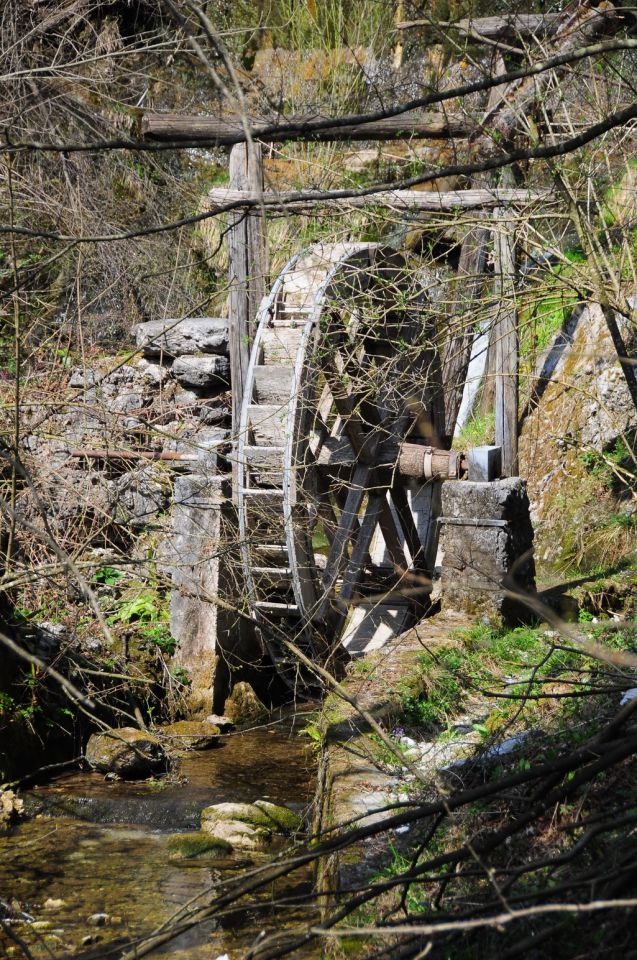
(523, 25)
(505, 337)
(104, 454)
(444, 202)
(246, 268)
(225, 131)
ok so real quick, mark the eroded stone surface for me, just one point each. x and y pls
(486, 543)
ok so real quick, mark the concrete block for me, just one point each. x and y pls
(486, 545)
(485, 463)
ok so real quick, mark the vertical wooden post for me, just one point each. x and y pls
(505, 334)
(462, 308)
(246, 268)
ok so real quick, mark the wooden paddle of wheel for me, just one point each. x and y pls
(335, 540)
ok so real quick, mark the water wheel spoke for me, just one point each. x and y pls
(391, 536)
(360, 554)
(410, 530)
(347, 525)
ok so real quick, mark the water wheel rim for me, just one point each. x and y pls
(306, 584)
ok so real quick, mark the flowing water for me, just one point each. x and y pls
(97, 847)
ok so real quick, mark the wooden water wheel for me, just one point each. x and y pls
(335, 506)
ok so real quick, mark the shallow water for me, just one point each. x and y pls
(102, 847)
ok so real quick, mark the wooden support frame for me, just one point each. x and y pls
(246, 267)
(504, 332)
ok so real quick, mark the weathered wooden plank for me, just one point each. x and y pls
(246, 269)
(268, 424)
(280, 345)
(273, 384)
(505, 335)
(444, 201)
(520, 26)
(575, 27)
(226, 131)
(458, 348)
(523, 25)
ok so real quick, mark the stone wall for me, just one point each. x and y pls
(131, 466)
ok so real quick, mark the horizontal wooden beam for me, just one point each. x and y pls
(131, 455)
(446, 201)
(524, 26)
(216, 131)
(494, 28)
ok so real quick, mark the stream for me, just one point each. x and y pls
(99, 847)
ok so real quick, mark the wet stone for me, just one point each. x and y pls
(127, 752)
(243, 704)
(248, 826)
(189, 735)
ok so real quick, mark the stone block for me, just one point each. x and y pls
(195, 572)
(174, 338)
(485, 463)
(202, 373)
(486, 545)
(139, 497)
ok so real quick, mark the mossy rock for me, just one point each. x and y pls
(248, 825)
(243, 705)
(286, 820)
(197, 846)
(189, 735)
(127, 752)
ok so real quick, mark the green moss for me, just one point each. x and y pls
(196, 846)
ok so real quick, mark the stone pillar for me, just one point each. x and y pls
(195, 571)
(486, 546)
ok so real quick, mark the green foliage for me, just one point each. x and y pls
(107, 575)
(160, 636)
(143, 606)
(181, 675)
(477, 431)
(614, 468)
(470, 663)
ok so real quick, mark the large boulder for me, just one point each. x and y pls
(201, 372)
(174, 338)
(127, 752)
(248, 826)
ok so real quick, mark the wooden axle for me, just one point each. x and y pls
(429, 463)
